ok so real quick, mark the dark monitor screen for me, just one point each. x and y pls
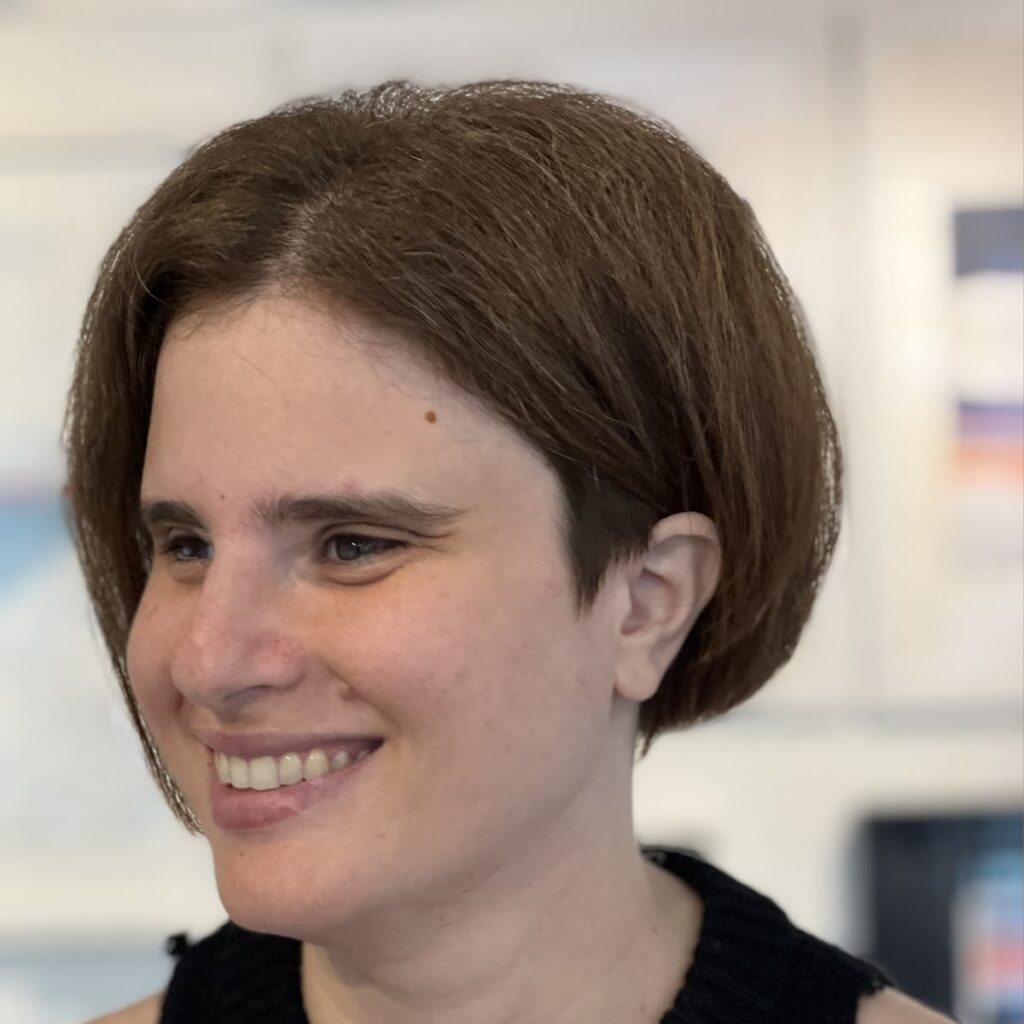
(945, 898)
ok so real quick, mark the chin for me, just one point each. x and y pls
(278, 896)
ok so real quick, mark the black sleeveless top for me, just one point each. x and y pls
(751, 966)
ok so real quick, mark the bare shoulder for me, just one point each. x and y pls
(145, 1011)
(892, 1007)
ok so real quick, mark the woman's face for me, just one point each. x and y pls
(348, 550)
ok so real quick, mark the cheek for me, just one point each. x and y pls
(490, 661)
(148, 653)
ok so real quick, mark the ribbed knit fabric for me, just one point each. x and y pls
(235, 976)
(751, 966)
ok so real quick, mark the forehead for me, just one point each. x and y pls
(277, 346)
(277, 393)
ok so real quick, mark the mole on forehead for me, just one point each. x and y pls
(431, 416)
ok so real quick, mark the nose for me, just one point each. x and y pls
(239, 642)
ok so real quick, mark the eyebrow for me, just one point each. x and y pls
(367, 506)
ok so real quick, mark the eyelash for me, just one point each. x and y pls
(389, 545)
(174, 545)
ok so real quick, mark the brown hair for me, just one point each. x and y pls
(573, 264)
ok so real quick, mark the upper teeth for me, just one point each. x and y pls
(272, 773)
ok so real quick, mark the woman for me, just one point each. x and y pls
(428, 449)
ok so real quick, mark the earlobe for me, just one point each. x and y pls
(669, 586)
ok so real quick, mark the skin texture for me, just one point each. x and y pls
(494, 828)
(892, 1007)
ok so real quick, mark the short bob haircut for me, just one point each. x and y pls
(572, 264)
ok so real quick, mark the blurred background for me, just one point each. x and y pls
(874, 789)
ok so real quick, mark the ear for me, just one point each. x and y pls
(669, 585)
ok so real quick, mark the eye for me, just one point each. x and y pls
(354, 548)
(185, 547)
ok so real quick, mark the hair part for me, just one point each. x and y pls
(571, 263)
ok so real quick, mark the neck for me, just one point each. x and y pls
(570, 929)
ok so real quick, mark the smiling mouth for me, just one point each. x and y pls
(268, 773)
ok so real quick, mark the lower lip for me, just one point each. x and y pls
(245, 810)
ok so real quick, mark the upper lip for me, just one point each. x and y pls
(276, 744)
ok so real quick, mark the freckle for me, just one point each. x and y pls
(431, 416)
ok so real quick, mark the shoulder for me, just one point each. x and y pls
(892, 1007)
(145, 1011)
